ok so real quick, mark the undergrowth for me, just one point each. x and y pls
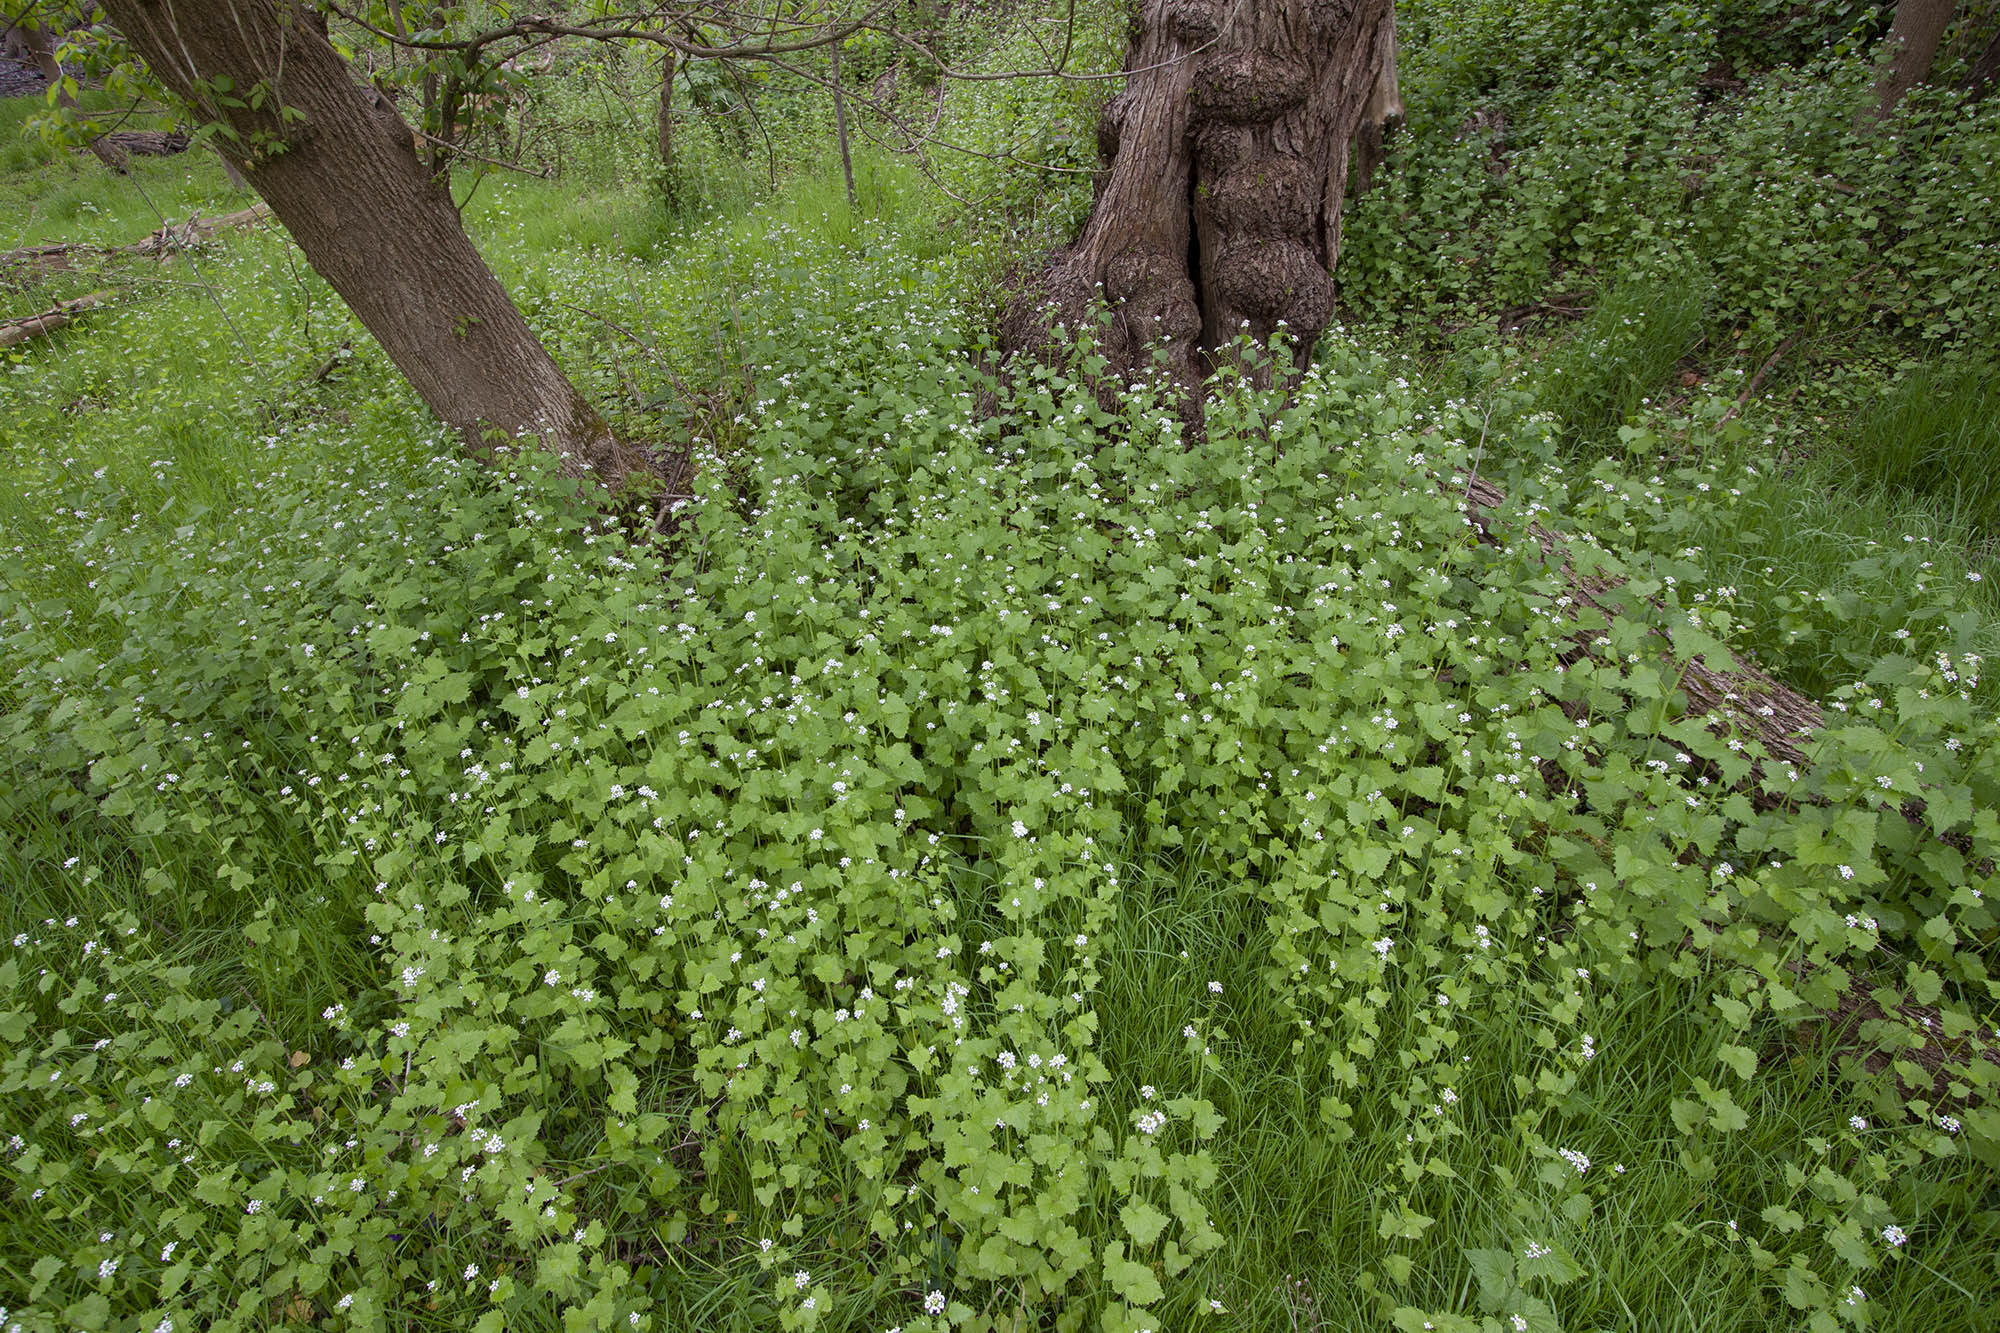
(996, 870)
(1003, 863)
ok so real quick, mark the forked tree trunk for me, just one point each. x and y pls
(340, 172)
(1914, 37)
(1227, 162)
(42, 43)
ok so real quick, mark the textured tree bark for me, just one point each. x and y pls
(339, 170)
(840, 127)
(1383, 113)
(42, 43)
(1914, 36)
(1227, 162)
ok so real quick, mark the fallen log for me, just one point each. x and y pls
(149, 143)
(37, 260)
(60, 315)
(1729, 695)
(172, 237)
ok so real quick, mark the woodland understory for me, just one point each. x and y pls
(1300, 666)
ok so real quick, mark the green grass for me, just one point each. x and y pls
(1592, 380)
(1876, 563)
(1935, 434)
(198, 585)
(48, 199)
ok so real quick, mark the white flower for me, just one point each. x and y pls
(1895, 1235)
(934, 1303)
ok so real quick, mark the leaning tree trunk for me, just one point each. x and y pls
(1914, 37)
(1227, 162)
(340, 172)
(42, 44)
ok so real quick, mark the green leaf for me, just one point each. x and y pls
(1546, 1262)
(1143, 1222)
(1495, 1271)
(1741, 1060)
(1783, 1219)
(1132, 1281)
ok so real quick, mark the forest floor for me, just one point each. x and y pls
(1000, 863)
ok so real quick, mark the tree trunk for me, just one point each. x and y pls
(340, 172)
(840, 128)
(666, 125)
(1228, 162)
(1383, 113)
(14, 41)
(1985, 68)
(1914, 36)
(42, 43)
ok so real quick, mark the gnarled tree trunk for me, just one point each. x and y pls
(340, 172)
(1227, 162)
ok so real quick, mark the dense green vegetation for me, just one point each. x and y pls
(997, 861)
